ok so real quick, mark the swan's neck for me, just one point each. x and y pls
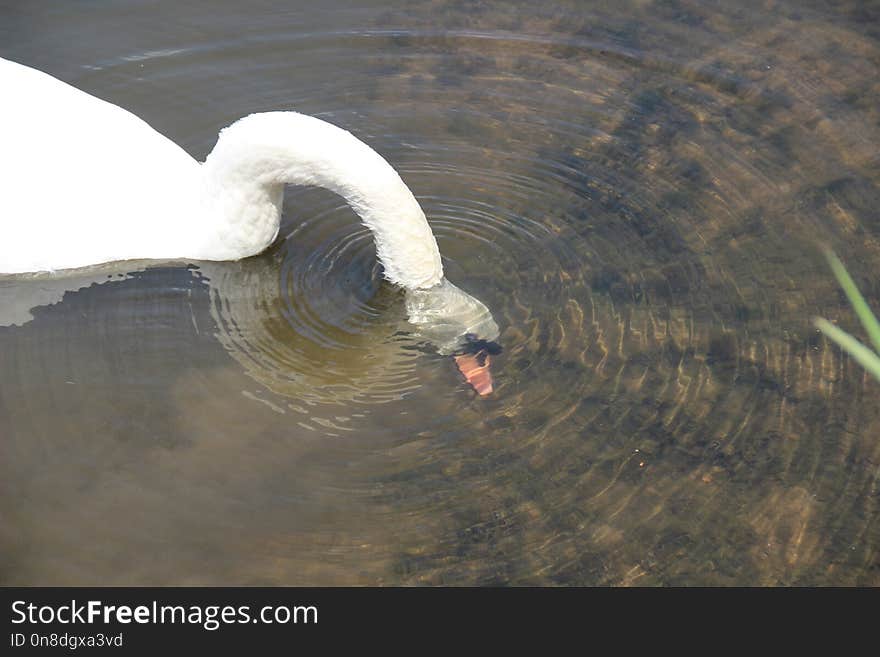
(255, 157)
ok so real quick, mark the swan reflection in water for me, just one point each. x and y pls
(310, 332)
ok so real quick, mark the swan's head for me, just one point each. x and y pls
(457, 324)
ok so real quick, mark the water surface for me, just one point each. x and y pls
(637, 190)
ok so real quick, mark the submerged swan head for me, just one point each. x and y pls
(447, 316)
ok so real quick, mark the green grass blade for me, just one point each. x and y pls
(863, 356)
(872, 326)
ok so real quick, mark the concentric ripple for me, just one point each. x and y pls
(636, 191)
(313, 320)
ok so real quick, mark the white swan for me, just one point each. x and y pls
(86, 182)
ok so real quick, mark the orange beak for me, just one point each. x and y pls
(475, 368)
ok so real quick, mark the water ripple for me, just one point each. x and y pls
(637, 197)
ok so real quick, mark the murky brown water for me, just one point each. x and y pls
(637, 190)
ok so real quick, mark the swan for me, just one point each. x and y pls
(85, 182)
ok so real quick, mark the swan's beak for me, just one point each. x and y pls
(475, 368)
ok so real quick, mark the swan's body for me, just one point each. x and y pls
(83, 182)
(87, 182)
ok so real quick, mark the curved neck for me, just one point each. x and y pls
(255, 157)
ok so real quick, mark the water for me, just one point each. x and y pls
(637, 191)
